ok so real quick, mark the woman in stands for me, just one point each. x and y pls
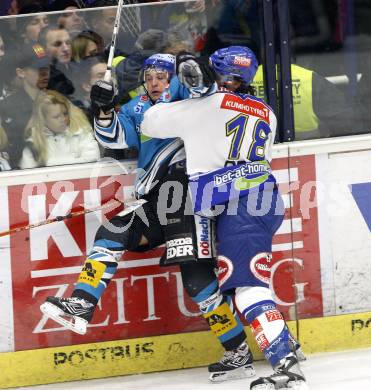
(58, 133)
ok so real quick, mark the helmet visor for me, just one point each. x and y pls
(229, 82)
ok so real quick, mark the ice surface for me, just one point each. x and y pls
(349, 370)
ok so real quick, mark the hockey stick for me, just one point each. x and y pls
(108, 74)
(112, 203)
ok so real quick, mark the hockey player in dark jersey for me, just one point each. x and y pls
(160, 162)
(228, 138)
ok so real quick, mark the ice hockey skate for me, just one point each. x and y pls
(235, 364)
(299, 353)
(287, 376)
(296, 348)
(73, 313)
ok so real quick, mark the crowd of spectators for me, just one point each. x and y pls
(52, 53)
(62, 46)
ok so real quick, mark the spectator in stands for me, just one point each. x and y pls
(103, 20)
(3, 69)
(187, 20)
(85, 44)
(16, 7)
(152, 39)
(8, 50)
(8, 54)
(149, 42)
(4, 155)
(57, 42)
(71, 20)
(177, 44)
(90, 70)
(58, 133)
(13, 8)
(29, 27)
(32, 76)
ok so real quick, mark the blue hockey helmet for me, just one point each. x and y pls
(235, 61)
(160, 63)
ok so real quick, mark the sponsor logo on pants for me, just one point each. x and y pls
(203, 237)
(179, 247)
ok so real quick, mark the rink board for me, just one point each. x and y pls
(319, 270)
(162, 353)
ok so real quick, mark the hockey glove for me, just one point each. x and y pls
(193, 73)
(101, 95)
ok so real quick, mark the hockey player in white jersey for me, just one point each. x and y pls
(160, 162)
(228, 138)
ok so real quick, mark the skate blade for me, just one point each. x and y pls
(238, 373)
(300, 355)
(298, 385)
(73, 323)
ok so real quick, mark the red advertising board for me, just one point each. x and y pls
(297, 273)
(143, 299)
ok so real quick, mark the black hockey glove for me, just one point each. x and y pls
(192, 72)
(101, 96)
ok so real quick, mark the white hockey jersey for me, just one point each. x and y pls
(228, 140)
(217, 130)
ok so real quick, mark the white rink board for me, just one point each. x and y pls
(6, 295)
(345, 238)
(350, 236)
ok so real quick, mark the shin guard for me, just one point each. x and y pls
(266, 322)
(219, 313)
(98, 270)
